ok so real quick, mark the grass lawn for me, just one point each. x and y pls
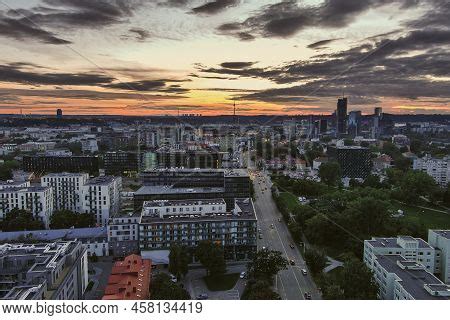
(290, 200)
(221, 283)
(429, 218)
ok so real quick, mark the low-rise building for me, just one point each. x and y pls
(44, 271)
(129, 279)
(13, 184)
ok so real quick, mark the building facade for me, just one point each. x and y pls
(439, 169)
(37, 200)
(354, 161)
(42, 164)
(100, 196)
(190, 221)
(440, 240)
(66, 189)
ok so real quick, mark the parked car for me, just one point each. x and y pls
(292, 262)
(202, 296)
(173, 278)
(291, 246)
(304, 272)
(243, 275)
(307, 296)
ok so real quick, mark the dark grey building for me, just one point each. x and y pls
(341, 117)
(40, 164)
(355, 161)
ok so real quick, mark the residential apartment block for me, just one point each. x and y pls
(66, 189)
(412, 249)
(190, 221)
(439, 169)
(44, 271)
(403, 279)
(101, 197)
(37, 200)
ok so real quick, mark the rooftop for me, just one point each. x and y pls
(169, 203)
(392, 242)
(149, 190)
(51, 235)
(443, 233)
(102, 180)
(414, 279)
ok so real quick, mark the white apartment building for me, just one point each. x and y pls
(412, 249)
(439, 169)
(101, 197)
(66, 189)
(37, 200)
(13, 184)
(402, 279)
(168, 208)
(440, 240)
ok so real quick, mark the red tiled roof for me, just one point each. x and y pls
(129, 279)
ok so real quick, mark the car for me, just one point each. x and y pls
(202, 296)
(307, 296)
(260, 236)
(292, 262)
(291, 246)
(272, 226)
(279, 219)
(304, 272)
(173, 278)
(243, 275)
(263, 248)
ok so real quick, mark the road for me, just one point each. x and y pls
(291, 284)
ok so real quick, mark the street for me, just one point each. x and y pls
(291, 284)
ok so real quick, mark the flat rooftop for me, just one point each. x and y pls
(102, 180)
(244, 210)
(443, 233)
(64, 174)
(226, 172)
(158, 190)
(170, 203)
(413, 280)
(392, 242)
(25, 189)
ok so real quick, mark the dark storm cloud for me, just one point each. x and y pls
(140, 34)
(214, 7)
(158, 85)
(11, 73)
(286, 18)
(236, 65)
(322, 43)
(21, 29)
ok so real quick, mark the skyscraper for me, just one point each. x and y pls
(59, 113)
(341, 117)
(354, 123)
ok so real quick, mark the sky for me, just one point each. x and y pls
(158, 57)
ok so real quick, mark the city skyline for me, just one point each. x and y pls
(190, 56)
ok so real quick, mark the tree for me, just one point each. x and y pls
(162, 288)
(357, 281)
(6, 169)
(415, 184)
(178, 260)
(353, 282)
(20, 220)
(265, 264)
(315, 260)
(65, 219)
(211, 256)
(259, 290)
(330, 173)
(446, 196)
